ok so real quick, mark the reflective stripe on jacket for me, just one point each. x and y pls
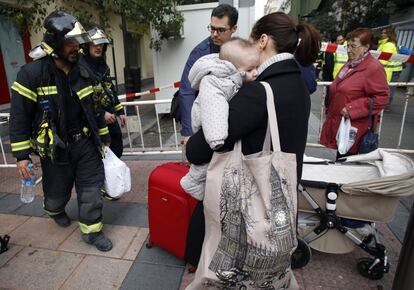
(390, 66)
(339, 60)
(103, 84)
(37, 84)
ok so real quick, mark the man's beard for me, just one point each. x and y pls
(71, 58)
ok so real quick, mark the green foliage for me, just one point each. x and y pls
(33, 17)
(187, 2)
(342, 16)
(161, 14)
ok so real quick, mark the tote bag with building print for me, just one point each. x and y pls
(250, 209)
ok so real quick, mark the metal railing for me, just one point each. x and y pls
(135, 129)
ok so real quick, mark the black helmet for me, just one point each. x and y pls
(61, 26)
(98, 36)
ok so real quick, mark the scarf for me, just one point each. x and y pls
(350, 66)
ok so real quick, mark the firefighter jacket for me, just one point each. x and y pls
(38, 115)
(339, 60)
(390, 66)
(104, 89)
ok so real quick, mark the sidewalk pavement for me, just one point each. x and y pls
(42, 255)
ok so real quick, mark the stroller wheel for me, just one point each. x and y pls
(302, 254)
(376, 273)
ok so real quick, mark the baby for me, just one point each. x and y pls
(217, 77)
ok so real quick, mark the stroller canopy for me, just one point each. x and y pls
(378, 172)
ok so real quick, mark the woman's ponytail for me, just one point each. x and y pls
(309, 44)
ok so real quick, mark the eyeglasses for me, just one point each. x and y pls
(353, 46)
(217, 29)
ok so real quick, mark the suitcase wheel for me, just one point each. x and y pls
(149, 244)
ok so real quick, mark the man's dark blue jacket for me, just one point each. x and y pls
(187, 94)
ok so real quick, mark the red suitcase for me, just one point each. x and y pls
(169, 208)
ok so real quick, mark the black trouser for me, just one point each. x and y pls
(85, 170)
(195, 235)
(116, 139)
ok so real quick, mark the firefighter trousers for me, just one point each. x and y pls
(116, 139)
(85, 170)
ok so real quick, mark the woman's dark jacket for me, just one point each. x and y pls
(248, 115)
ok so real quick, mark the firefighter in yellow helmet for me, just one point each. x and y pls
(53, 115)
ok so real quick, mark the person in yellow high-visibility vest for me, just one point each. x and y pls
(388, 43)
(339, 58)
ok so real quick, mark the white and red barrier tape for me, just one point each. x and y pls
(325, 47)
(332, 47)
(150, 91)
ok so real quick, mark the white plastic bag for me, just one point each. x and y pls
(117, 174)
(345, 137)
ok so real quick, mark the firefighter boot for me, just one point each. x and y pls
(99, 240)
(61, 219)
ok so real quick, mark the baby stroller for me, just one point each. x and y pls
(339, 203)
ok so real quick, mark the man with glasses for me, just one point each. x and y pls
(223, 24)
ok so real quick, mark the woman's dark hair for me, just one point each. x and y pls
(226, 10)
(286, 34)
(392, 36)
(364, 34)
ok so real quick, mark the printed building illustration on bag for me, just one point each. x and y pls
(253, 261)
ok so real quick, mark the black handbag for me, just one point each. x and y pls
(175, 107)
(369, 142)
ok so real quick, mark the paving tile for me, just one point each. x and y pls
(145, 276)
(299, 279)
(139, 183)
(10, 183)
(2, 194)
(321, 152)
(9, 254)
(9, 222)
(98, 273)
(342, 274)
(34, 208)
(116, 213)
(407, 201)
(156, 255)
(125, 213)
(390, 241)
(10, 203)
(137, 243)
(121, 237)
(398, 225)
(42, 233)
(187, 278)
(32, 268)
